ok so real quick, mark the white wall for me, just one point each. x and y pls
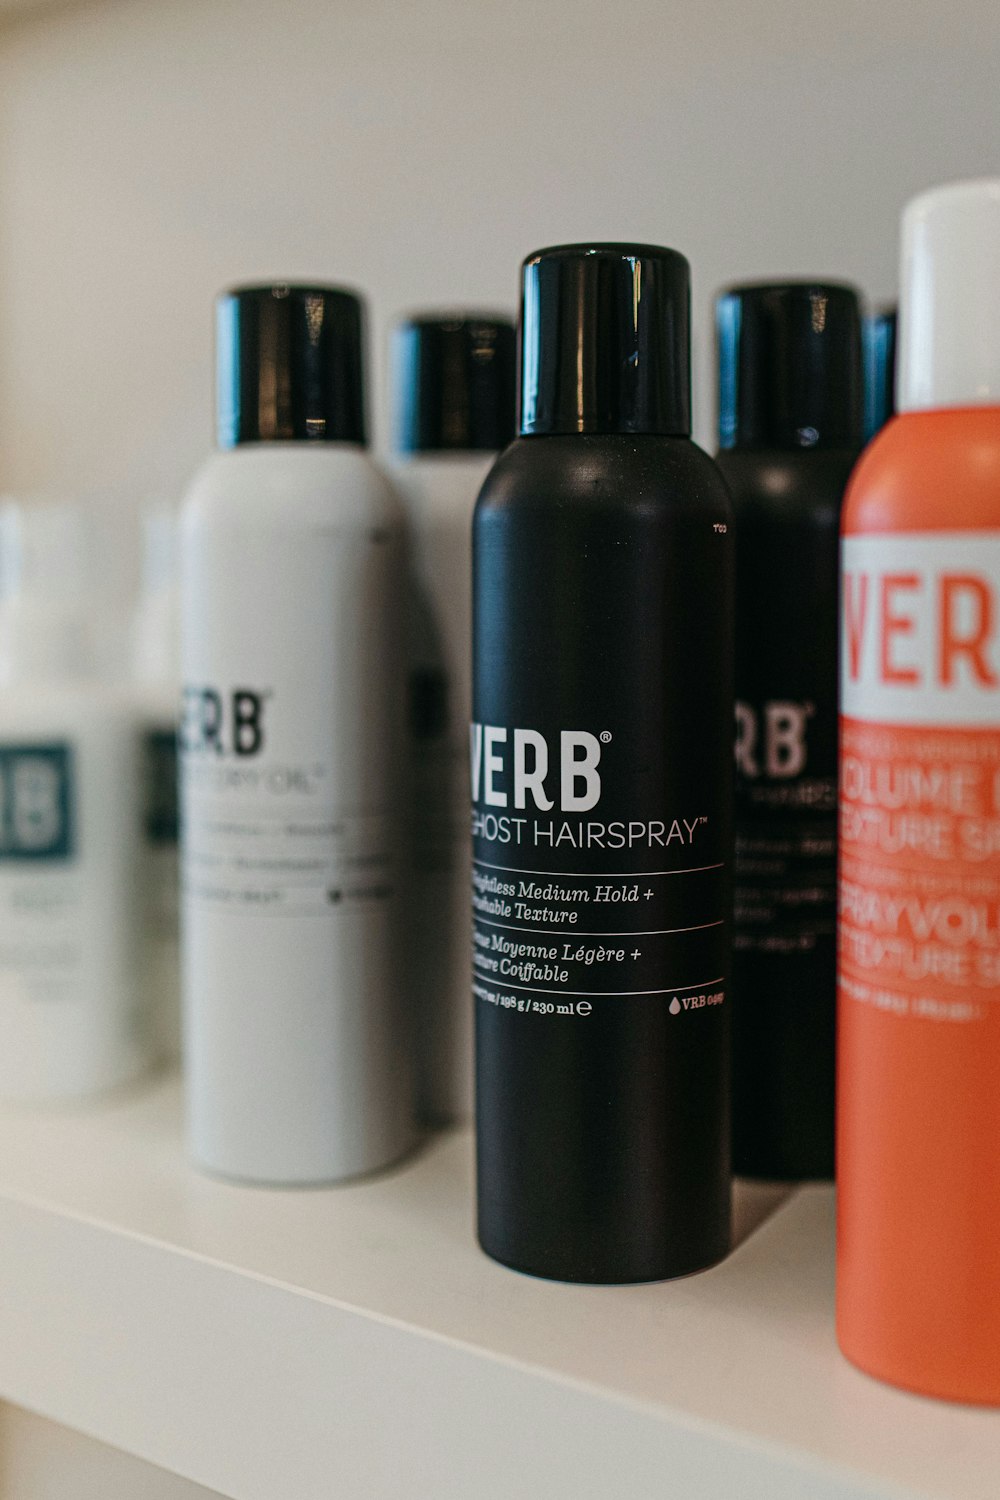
(153, 150)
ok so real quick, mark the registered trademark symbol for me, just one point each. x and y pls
(605, 736)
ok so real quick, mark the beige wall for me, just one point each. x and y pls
(152, 150)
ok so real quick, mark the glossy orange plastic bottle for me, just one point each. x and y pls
(918, 1142)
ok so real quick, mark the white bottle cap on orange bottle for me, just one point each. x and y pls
(950, 298)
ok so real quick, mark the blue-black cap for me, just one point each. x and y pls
(790, 366)
(880, 369)
(454, 382)
(289, 365)
(605, 341)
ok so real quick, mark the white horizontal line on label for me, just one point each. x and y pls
(576, 932)
(600, 875)
(535, 989)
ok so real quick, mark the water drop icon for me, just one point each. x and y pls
(675, 1007)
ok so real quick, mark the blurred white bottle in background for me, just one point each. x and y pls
(297, 1023)
(454, 400)
(155, 675)
(71, 1015)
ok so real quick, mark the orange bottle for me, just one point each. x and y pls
(918, 1119)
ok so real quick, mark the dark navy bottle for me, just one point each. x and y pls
(601, 780)
(790, 426)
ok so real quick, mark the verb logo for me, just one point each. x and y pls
(772, 742)
(920, 640)
(36, 802)
(223, 723)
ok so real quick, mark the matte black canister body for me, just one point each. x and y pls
(601, 770)
(790, 426)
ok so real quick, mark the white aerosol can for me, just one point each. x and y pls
(297, 1030)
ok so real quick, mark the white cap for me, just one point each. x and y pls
(949, 306)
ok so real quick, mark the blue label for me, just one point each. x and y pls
(36, 802)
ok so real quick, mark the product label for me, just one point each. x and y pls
(575, 903)
(36, 802)
(920, 774)
(266, 830)
(919, 641)
(786, 830)
(41, 933)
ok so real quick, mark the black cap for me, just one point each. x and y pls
(790, 366)
(880, 369)
(289, 365)
(606, 341)
(454, 380)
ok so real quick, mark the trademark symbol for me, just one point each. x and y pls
(605, 736)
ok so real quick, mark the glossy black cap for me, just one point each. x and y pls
(790, 366)
(454, 383)
(880, 369)
(289, 365)
(606, 341)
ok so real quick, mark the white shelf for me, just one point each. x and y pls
(354, 1342)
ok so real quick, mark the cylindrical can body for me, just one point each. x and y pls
(918, 1262)
(601, 753)
(296, 1031)
(787, 510)
(72, 1015)
(439, 494)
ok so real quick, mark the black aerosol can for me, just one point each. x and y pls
(601, 786)
(790, 420)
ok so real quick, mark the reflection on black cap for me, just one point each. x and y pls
(454, 383)
(789, 366)
(880, 370)
(289, 365)
(605, 341)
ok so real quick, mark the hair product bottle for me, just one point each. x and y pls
(879, 336)
(454, 388)
(155, 668)
(71, 1022)
(292, 584)
(790, 403)
(601, 785)
(918, 1259)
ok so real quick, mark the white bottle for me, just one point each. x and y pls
(454, 397)
(296, 1024)
(72, 1014)
(156, 678)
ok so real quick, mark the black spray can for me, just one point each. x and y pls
(601, 781)
(790, 419)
